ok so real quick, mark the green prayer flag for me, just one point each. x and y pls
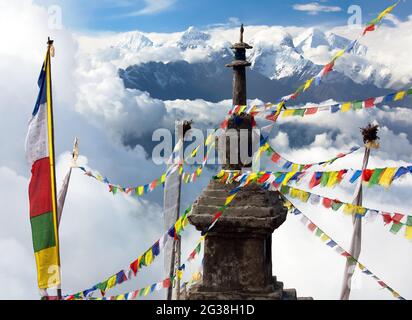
(325, 178)
(198, 248)
(374, 180)
(336, 205)
(357, 105)
(396, 227)
(299, 112)
(284, 189)
(409, 221)
(319, 232)
(351, 260)
(409, 92)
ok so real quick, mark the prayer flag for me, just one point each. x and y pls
(42, 187)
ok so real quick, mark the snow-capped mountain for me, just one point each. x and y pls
(133, 41)
(314, 38)
(275, 56)
(193, 38)
(190, 64)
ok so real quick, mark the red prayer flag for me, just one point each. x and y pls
(386, 218)
(312, 226)
(367, 174)
(224, 124)
(314, 182)
(275, 157)
(311, 111)
(369, 28)
(327, 203)
(328, 68)
(217, 216)
(370, 103)
(397, 218)
(166, 283)
(264, 178)
(134, 266)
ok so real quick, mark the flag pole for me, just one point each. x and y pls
(50, 53)
(370, 138)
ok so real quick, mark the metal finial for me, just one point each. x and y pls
(49, 41)
(241, 33)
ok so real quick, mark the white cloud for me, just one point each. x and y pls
(101, 234)
(154, 6)
(314, 8)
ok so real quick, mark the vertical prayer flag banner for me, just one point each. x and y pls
(42, 188)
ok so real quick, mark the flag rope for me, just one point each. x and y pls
(359, 212)
(325, 238)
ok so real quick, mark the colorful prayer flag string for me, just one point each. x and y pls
(329, 67)
(143, 292)
(342, 107)
(371, 177)
(144, 260)
(350, 209)
(286, 164)
(326, 239)
(147, 258)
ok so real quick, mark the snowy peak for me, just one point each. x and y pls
(314, 38)
(311, 39)
(193, 38)
(275, 56)
(133, 41)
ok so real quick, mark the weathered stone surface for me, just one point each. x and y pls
(238, 257)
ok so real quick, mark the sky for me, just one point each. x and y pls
(177, 15)
(100, 233)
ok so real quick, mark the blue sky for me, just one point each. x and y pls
(177, 15)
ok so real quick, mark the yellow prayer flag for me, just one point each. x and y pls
(179, 274)
(346, 107)
(140, 190)
(288, 176)
(349, 209)
(400, 95)
(386, 11)
(294, 193)
(242, 109)
(147, 291)
(324, 238)
(163, 178)
(288, 113)
(265, 146)
(295, 167)
(178, 225)
(111, 282)
(408, 232)
(148, 257)
(195, 152)
(229, 199)
(221, 174)
(288, 204)
(333, 179)
(387, 176)
(360, 210)
(339, 54)
(308, 84)
(304, 196)
(120, 297)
